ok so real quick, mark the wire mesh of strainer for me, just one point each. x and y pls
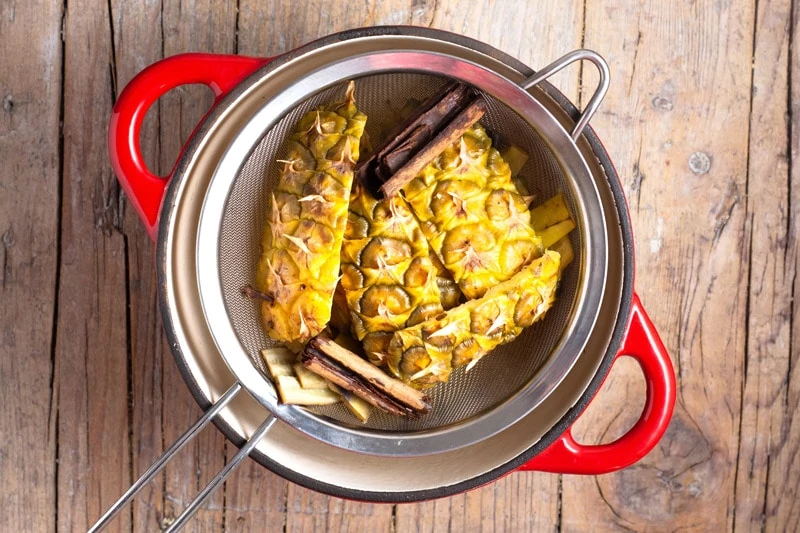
(498, 376)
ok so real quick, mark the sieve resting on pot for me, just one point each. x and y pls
(511, 381)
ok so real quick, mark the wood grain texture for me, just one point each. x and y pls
(518, 502)
(91, 340)
(773, 269)
(199, 25)
(676, 124)
(137, 45)
(308, 511)
(30, 91)
(781, 510)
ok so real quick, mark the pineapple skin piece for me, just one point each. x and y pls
(387, 274)
(299, 266)
(472, 214)
(425, 354)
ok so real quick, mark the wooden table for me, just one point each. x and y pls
(702, 121)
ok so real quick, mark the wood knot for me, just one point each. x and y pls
(700, 163)
(662, 104)
(680, 474)
(8, 104)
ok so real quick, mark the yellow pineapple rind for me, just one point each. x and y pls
(299, 266)
(426, 354)
(474, 218)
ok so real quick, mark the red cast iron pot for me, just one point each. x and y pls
(628, 332)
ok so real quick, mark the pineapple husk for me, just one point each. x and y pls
(387, 274)
(474, 218)
(426, 354)
(299, 266)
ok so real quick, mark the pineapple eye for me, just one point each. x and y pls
(357, 227)
(423, 313)
(383, 300)
(352, 279)
(465, 351)
(525, 310)
(377, 343)
(414, 359)
(499, 204)
(317, 237)
(383, 252)
(418, 273)
(483, 319)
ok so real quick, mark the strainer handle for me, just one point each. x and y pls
(599, 93)
(177, 446)
(641, 341)
(144, 189)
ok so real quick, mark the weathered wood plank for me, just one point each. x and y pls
(676, 124)
(768, 465)
(207, 26)
(536, 33)
(773, 267)
(255, 500)
(308, 511)
(30, 91)
(517, 502)
(91, 341)
(137, 44)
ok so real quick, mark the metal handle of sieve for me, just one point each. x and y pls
(145, 189)
(642, 342)
(599, 93)
(168, 454)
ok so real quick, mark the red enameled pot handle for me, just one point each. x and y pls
(220, 73)
(641, 341)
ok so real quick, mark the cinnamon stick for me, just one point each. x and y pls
(350, 372)
(413, 133)
(450, 134)
(333, 374)
(394, 387)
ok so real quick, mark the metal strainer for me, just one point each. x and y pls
(219, 195)
(468, 394)
(505, 385)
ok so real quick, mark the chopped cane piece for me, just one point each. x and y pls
(549, 213)
(556, 232)
(279, 361)
(564, 248)
(291, 392)
(361, 409)
(515, 157)
(308, 379)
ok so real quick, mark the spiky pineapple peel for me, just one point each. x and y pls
(426, 354)
(299, 266)
(472, 214)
